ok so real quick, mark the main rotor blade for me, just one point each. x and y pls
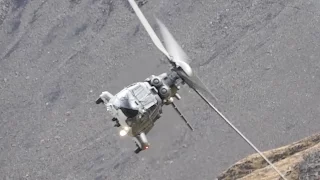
(172, 46)
(148, 28)
(239, 132)
(194, 82)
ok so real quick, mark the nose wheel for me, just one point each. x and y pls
(99, 101)
(138, 149)
(144, 147)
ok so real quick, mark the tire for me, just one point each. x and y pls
(99, 101)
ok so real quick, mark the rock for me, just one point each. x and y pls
(141, 2)
(299, 160)
(184, 145)
(68, 113)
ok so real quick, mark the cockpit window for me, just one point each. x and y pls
(130, 113)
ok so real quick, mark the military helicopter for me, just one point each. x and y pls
(137, 107)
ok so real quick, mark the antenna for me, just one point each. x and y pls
(181, 115)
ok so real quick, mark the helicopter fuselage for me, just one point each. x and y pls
(135, 109)
(138, 106)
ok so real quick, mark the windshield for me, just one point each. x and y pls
(125, 101)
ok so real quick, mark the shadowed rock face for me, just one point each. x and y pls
(299, 160)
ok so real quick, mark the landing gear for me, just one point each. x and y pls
(99, 101)
(117, 122)
(138, 149)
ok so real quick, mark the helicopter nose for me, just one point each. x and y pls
(106, 96)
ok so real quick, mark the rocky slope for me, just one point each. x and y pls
(299, 160)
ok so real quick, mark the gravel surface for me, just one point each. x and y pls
(259, 57)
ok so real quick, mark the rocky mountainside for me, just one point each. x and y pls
(299, 160)
(260, 58)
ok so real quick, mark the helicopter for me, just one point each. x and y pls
(137, 107)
